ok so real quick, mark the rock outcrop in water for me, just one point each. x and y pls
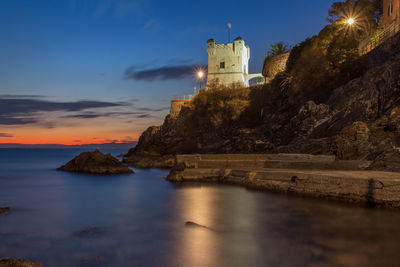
(5, 210)
(89, 232)
(4, 262)
(360, 120)
(96, 163)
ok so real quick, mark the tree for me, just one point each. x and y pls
(366, 15)
(278, 49)
(363, 11)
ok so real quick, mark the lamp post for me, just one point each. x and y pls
(200, 75)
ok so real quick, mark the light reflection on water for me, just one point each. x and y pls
(140, 221)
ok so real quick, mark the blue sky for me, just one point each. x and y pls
(73, 50)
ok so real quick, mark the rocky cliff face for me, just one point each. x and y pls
(360, 120)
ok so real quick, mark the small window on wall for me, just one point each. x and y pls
(222, 65)
(390, 9)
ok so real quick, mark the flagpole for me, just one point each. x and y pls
(229, 26)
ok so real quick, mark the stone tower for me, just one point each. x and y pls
(228, 63)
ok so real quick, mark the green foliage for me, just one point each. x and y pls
(278, 49)
(315, 67)
(217, 108)
(359, 9)
(322, 63)
(366, 14)
(295, 53)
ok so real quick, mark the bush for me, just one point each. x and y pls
(217, 108)
(322, 63)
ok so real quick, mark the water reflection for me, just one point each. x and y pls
(197, 245)
(141, 221)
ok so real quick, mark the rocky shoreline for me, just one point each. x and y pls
(148, 162)
(6, 262)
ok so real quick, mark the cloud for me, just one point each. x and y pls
(93, 115)
(153, 109)
(17, 111)
(20, 96)
(161, 74)
(151, 25)
(180, 61)
(144, 116)
(139, 113)
(6, 135)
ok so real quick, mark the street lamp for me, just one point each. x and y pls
(200, 75)
(350, 21)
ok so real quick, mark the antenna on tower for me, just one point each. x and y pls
(229, 27)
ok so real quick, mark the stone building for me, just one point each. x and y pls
(229, 63)
(391, 12)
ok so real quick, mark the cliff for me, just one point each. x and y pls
(357, 120)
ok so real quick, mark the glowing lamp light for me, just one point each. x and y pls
(350, 21)
(200, 74)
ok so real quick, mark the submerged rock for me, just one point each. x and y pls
(96, 163)
(5, 210)
(4, 262)
(89, 232)
(196, 225)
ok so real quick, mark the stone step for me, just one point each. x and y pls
(375, 188)
(282, 161)
(335, 165)
(286, 175)
(282, 156)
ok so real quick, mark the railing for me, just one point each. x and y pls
(183, 97)
(378, 38)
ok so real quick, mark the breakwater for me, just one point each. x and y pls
(301, 174)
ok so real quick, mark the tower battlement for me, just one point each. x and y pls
(228, 63)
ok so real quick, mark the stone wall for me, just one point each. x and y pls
(176, 106)
(275, 64)
(387, 18)
(282, 160)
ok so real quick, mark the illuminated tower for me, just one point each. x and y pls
(228, 63)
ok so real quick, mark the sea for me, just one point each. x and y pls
(69, 219)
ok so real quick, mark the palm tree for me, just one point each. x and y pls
(278, 49)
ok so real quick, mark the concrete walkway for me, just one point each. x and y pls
(316, 176)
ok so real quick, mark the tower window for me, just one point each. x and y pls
(390, 9)
(222, 65)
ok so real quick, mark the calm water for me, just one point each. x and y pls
(140, 221)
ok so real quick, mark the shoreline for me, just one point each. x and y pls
(287, 187)
(319, 178)
(362, 202)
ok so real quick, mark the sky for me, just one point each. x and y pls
(98, 71)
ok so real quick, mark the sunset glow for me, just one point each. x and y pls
(89, 72)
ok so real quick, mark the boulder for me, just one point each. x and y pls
(352, 143)
(89, 232)
(387, 161)
(96, 163)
